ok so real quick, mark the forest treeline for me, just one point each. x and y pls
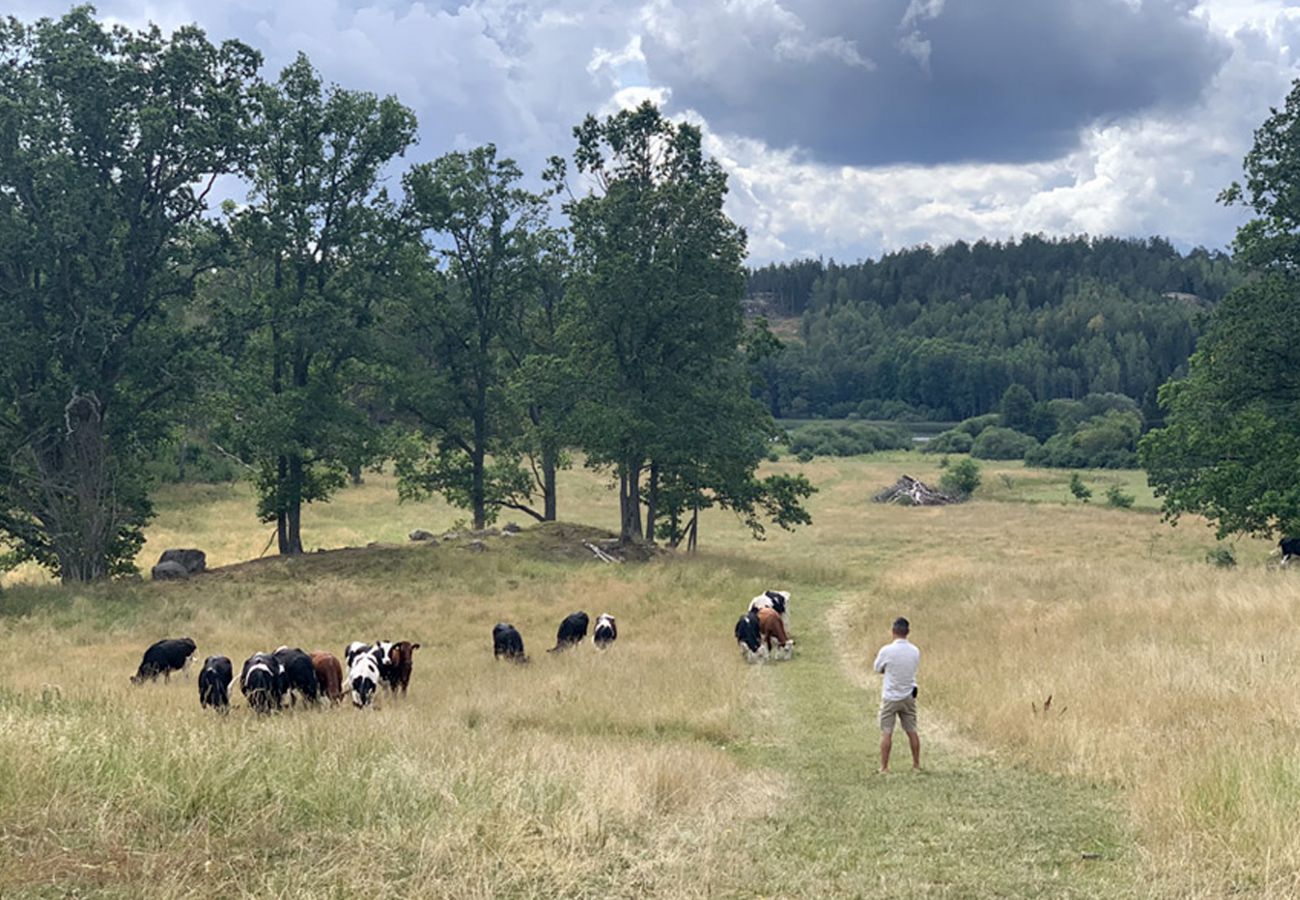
(346, 309)
(942, 334)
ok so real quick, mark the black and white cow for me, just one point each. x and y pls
(1290, 547)
(507, 642)
(355, 649)
(162, 658)
(747, 635)
(299, 674)
(776, 600)
(263, 682)
(571, 631)
(605, 632)
(214, 682)
(363, 679)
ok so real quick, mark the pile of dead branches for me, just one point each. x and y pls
(908, 491)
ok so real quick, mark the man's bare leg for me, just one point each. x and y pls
(886, 743)
(914, 740)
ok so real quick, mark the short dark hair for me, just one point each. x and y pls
(902, 626)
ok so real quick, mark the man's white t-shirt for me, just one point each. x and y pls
(899, 662)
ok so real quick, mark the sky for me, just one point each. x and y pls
(849, 128)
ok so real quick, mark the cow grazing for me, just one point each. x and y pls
(777, 600)
(395, 659)
(507, 642)
(355, 649)
(263, 682)
(771, 631)
(605, 632)
(363, 679)
(162, 658)
(747, 635)
(571, 631)
(329, 674)
(299, 674)
(214, 682)
(1290, 547)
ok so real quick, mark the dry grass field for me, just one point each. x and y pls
(1168, 765)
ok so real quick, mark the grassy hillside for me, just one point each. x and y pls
(666, 766)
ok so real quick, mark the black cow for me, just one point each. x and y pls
(1290, 547)
(263, 682)
(162, 658)
(571, 632)
(214, 682)
(507, 642)
(747, 634)
(299, 674)
(605, 632)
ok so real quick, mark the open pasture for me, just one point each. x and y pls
(665, 766)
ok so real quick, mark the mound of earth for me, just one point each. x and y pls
(547, 540)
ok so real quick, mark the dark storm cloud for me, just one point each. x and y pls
(928, 81)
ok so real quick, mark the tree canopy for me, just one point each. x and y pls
(110, 141)
(1232, 439)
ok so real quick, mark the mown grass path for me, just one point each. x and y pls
(967, 827)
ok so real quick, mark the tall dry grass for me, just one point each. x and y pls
(579, 774)
(1174, 681)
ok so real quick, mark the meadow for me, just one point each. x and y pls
(1167, 766)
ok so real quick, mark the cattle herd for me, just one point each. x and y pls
(270, 681)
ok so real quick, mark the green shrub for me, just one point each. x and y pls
(1107, 441)
(952, 441)
(1117, 498)
(962, 479)
(1081, 491)
(976, 424)
(804, 456)
(1002, 443)
(848, 438)
(1221, 556)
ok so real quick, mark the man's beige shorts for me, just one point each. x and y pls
(905, 709)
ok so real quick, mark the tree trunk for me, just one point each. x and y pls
(550, 463)
(354, 473)
(629, 501)
(652, 503)
(694, 530)
(288, 520)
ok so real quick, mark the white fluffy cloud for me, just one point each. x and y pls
(522, 73)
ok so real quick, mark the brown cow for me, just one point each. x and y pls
(329, 673)
(772, 630)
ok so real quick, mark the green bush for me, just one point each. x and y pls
(962, 479)
(952, 441)
(1081, 491)
(1107, 441)
(1002, 443)
(1221, 556)
(804, 456)
(1117, 498)
(976, 424)
(847, 438)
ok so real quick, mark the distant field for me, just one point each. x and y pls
(666, 767)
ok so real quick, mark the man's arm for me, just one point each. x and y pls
(879, 664)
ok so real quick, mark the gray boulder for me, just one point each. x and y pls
(420, 534)
(511, 528)
(476, 546)
(169, 570)
(193, 561)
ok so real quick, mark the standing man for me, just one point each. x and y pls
(898, 662)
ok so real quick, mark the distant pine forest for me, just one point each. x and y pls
(927, 334)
